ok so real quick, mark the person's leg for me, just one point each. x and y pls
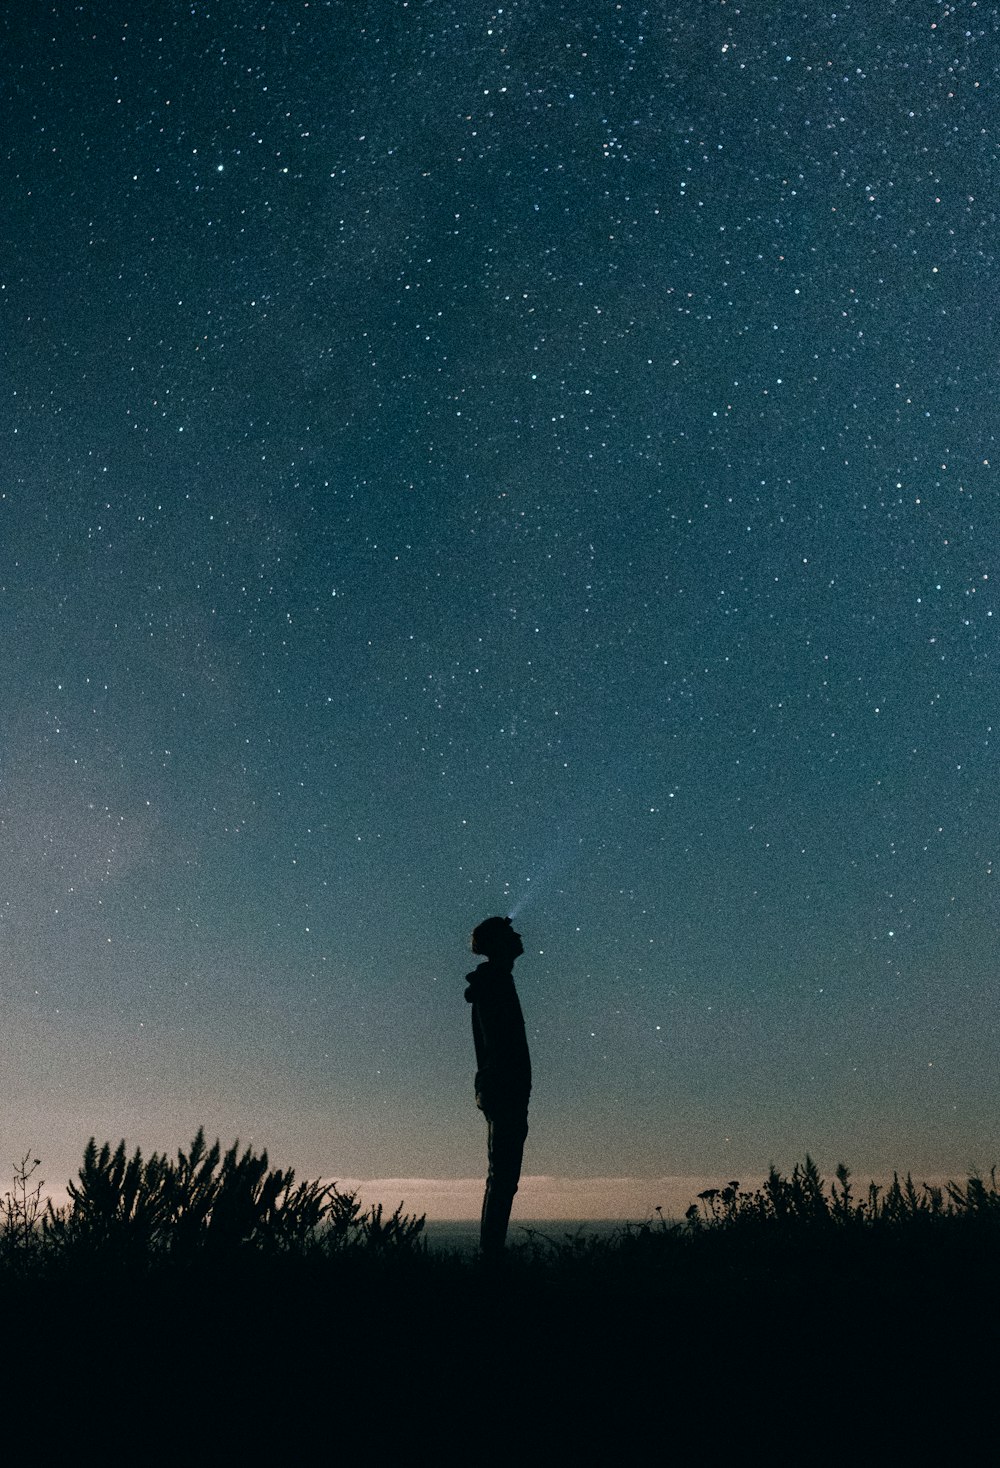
(505, 1148)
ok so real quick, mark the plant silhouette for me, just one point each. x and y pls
(210, 1200)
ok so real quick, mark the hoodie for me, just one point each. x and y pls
(503, 1065)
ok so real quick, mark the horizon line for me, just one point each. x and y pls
(552, 1198)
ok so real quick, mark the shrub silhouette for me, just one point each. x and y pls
(209, 1204)
(210, 1200)
(21, 1213)
(803, 1199)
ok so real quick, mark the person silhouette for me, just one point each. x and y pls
(503, 1073)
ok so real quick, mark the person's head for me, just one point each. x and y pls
(496, 940)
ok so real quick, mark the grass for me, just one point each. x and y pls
(212, 1290)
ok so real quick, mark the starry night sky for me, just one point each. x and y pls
(462, 459)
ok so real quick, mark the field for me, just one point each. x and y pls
(179, 1309)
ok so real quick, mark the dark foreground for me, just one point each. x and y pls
(833, 1345)
(779, 1325)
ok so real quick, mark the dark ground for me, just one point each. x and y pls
(796, 1350)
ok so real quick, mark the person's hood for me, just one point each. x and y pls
(474, 982)
(482, 978)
